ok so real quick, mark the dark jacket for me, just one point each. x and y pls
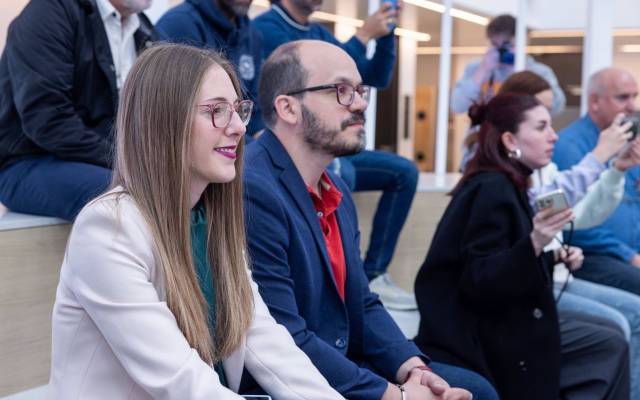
(58, 91)
(485, 299)
(291, 266)
(201, 23)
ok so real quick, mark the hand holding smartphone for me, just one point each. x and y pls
(394, 6)
(635, 126)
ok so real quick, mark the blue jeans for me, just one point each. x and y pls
(617, 305)
(479, 387)
(397, 177)
(50, 186)
(610, 271)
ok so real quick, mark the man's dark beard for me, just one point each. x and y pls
(230, 7)
(319, 137)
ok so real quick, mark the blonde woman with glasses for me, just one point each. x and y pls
(155, 300)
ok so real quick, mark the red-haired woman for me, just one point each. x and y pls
(485, 289)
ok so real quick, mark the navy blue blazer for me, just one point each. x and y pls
(292, 269)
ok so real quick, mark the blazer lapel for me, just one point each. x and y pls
(292, 181)
(353, 265)
(524, 202)
(102, 51)
(145, 35)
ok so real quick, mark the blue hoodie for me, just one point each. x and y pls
(278, 27)
(201, 23)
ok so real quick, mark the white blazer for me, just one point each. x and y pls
(115, 338)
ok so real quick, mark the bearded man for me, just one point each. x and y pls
(303, 238)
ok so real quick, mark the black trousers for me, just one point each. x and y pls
(595, 359)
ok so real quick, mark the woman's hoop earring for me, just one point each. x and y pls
(515, 154)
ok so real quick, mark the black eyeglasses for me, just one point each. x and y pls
(222, 111)
(345, 93)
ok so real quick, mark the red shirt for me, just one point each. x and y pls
(326, 205)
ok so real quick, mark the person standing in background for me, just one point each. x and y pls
(482, 78)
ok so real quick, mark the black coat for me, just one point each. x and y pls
(58, 92)
(485, 299)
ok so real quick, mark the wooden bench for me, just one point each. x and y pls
(32, 248)
(31, 252)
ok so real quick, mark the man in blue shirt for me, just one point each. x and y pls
(222, 25)
(611, 249)
(397, 177)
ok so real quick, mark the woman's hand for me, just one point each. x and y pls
(612, 139)
(572, 259)
(546, 225)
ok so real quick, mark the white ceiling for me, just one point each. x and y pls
(557, 14)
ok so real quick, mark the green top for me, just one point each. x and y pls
(203, 270)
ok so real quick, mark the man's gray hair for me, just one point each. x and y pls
(597, 84)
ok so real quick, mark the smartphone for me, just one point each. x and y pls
(394, 5)
(554, 199)
(507, 56)
(256, 396)
(635, 126)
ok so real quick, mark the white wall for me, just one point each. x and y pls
(8, 11)
(554, 14)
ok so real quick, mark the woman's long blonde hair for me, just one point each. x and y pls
(152, 165)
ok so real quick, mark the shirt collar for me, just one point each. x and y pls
(289, 19)
(330, 198)
(108, 11)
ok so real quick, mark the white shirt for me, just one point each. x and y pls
(120, 35)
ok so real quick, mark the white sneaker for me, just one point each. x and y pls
(391, 295)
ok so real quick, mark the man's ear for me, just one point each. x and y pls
(287, 108)
(509, 141)
(592, 102)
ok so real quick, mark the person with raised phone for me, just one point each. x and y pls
(612, 249)
(482, 78)
(593, 206)
(485, 289)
